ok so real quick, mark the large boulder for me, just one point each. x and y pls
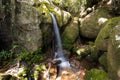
(92, 23)
(113, 55)
(27, 34)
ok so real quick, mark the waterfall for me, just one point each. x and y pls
(59, 54)
(57, 33)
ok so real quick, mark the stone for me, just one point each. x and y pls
(27, 34)
(93, 23)
(70, 33)
(113, 55)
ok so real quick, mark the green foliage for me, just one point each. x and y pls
(23, 75)
(31, 58)
(5, 55)
(38, 68)
(96, 74)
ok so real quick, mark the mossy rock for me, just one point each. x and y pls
(101, 42)
(103, 61)
(113, 55)
(70, 34)
(26, 32)
(93, 23)
(95, 74)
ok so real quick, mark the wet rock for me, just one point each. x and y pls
(93, 22)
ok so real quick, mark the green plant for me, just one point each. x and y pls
(95, 74)
(5, 55)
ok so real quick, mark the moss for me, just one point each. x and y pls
(113, 55)
(95, 74)
(103, 61)
(102, 39)
(31, 58)
(70, 34)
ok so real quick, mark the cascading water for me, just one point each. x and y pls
(56, 30)
(59, 54)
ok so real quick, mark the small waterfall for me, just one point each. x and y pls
(59, 54)
(57, 33)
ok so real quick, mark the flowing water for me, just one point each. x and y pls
(59, 54)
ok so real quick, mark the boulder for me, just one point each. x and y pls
(113, 55)
(70, 33)
(93, 22)
(103, 61)
(101, 42)
(27, 34)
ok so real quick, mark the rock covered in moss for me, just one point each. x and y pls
(70, 33)
(93, 22)
(103, 61)
(101, 42)
(95, 74)
(26, 31)
(113, 55)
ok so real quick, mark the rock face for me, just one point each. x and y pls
(113, 55)
(27, 32)
(92, 23)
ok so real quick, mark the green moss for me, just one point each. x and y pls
(113, 55)
(102, 39)
(103, 61)
(95, 74)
